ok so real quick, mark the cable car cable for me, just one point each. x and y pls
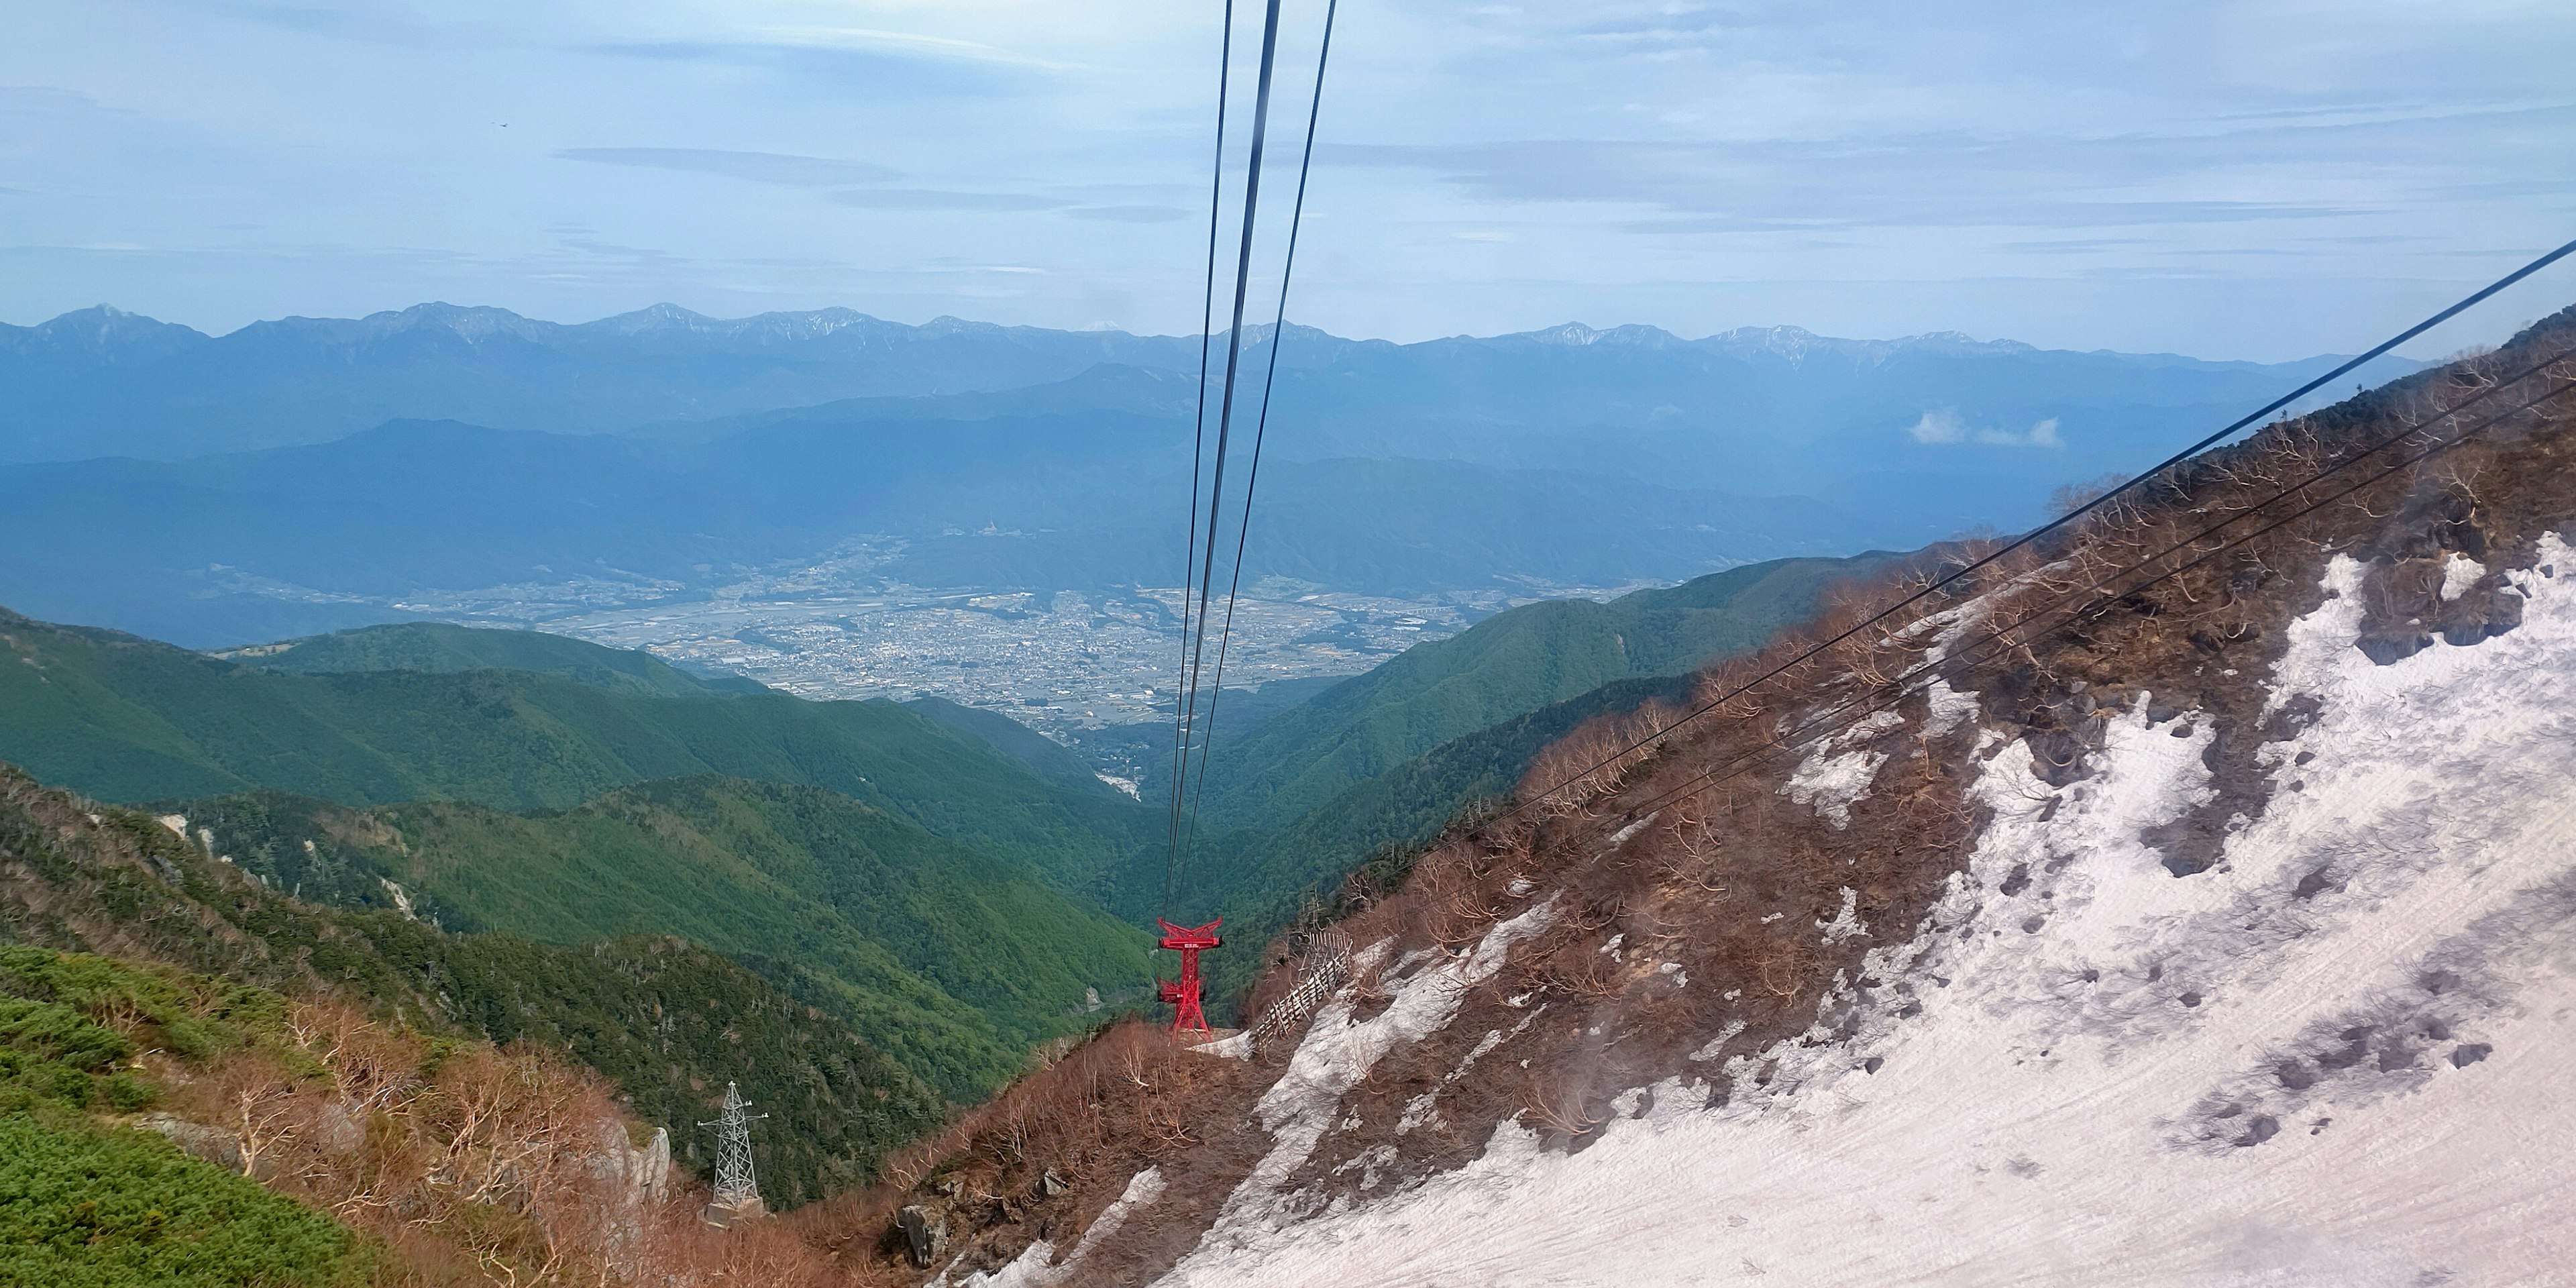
(1198, 438)
(1261, 423)
(1225, 420)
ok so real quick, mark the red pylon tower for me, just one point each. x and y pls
(1183, 993)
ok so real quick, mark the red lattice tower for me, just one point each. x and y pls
(1183, 993)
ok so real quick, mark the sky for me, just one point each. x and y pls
(2262, 179)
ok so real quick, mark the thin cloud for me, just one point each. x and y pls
(1128, 214)
(758, 167)
(1951, 179)
(888, 73)
(905, 42)
(935, 199)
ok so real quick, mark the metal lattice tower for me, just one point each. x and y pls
(736, 1187)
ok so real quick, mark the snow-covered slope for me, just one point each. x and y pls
(2190, 899)
(2338, 1057)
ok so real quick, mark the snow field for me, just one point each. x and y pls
(2335, 1058)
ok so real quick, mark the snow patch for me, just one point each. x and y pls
(1337, 1051)
(2458, 574)
(1833, 783)
(1418, 1110)
(1237, 1047)
(1620, 837)
(1718, 1043)
(1846, 923)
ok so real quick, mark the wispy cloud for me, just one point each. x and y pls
(935, 199)
(1128, 214)
(885, 71)
(904, 42)
(1952, 181)
(759, 167)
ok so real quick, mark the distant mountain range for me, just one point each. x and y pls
(168, 482)
(101, 382)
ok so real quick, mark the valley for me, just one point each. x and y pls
(1053, 660)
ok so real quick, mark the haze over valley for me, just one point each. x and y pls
(845, 507)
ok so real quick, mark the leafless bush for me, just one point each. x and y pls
(1563, 1113)
(501, 1166)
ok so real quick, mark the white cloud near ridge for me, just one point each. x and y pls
(1945, 426)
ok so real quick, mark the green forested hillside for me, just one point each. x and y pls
(1041, 755)
(438, 648)
(667, 1021)
(1503, 667)
(126, 719)
(951, 960)
(1262, 879)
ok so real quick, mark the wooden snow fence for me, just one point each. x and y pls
(1326, 967)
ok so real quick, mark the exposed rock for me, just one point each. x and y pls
(925, 1234)
(645, 1168)
(197, 1140)
(337, 1129)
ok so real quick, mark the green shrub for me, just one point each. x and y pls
(57, 1034)
(192, 1015)
(127, 1093)
(121, 1209)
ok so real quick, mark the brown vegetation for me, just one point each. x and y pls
(1042, 1160)
(471, 1164)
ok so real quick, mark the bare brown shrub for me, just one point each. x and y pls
(472, 1164)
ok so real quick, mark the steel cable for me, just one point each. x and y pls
(1224, 431)
(1198, 436)
(1261, 423)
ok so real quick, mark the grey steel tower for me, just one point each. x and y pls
(737, 1189)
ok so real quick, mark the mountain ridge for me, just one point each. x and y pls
(87, 378)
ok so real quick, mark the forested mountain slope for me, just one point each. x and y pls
(949, 960)
(1503, 667)
(127, 719)
(439, 649)
(1353, 777)
(668, 1022)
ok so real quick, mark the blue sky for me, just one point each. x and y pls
(2255, 180)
